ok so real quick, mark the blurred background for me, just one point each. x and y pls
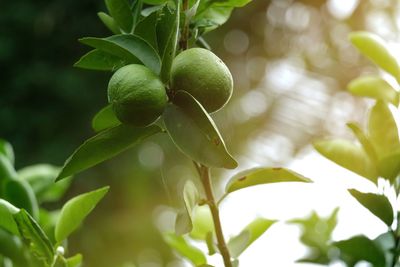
(291, 62)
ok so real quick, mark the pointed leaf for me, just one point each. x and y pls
(75, 211)
(238, 244)
(375, 48)
(374, 87)
(105, 145)
(6, 217)
(348, 155)
(109, 22)
(258, 176)
(129, 47)
(20, 194)
(105, 119)
(146, 29)
(191, 198)
(122, 14)
(100, 60)
(378, 205)
(195, 134)
(364, 141)
(7, 150)
(34, 237)
(187, 251)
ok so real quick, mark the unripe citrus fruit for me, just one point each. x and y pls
(137, 95)
(202, 74)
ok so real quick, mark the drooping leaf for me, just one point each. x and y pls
(382, 130)
(103, 146)
(191, 198)
(6, 217)
(105, 119)
(167, 35)
(100, 60)
(361, 248)
(129, 47)
(348, 155)
(75, 211)
(146, 29)
(180, 245)
(375, 48)
(7, 150)
(41, 178)
(194, 132)
(109, 22)
(378, 205)
(34, 237)
(374, 87)
(12, 248)
(258, 176)
(238, 244)
(122, 14)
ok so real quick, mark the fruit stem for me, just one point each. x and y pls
(204, 173)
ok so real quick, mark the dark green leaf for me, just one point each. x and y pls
(6, 217)
(7, 171)
(155, 2)
(12, 248)
(7, 150)
(187, 251)
(105, 145)
(146, 29)
(109, 22)
(378, 205)
(349, 156)
(191, 198)
(258, 176)
(375, 48)
(105, 119)
(195, 134)
(249, 234)
(374, 87)
(34, 237)
(75, 211)
(129, 47)
(361, 248)
(100, 60)
(122, 14)
(386, 243)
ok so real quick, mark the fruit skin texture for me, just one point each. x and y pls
(201, 73)
(137, 95)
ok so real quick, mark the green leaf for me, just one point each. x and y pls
(386, 243)
(34, 237)
(238, 244)
(389, 166)
(361, 248)
(374, 87)
(187, 251)
(364, 141)
(100, 60)
(155, 2)
(74, 261)
(210, 17)
(349, 156)
(211, 246)
(146, 29)
(195, 134)
(20, 194)
(105, 119)
(258, 176)
(6, 217)
(12, 248)
(109, 22)
(7, 171)
(382, 129)
(203, 224)
(129, 47)
(121, 12)
(167, 35)
(191, 198)
(7, 150)
(75, 211)
(105, 145)
(378, 205)
(375, 48)
(231, 3)
(41, 178)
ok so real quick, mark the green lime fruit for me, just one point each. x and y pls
(137, 95)
(201, 73)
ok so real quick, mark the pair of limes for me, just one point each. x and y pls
(139, 97)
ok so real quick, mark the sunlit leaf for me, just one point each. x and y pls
(249, 234)
(364, 141)
(195, 134)
(105, 119)
(349, 156)
(75, 211)
(7, 150)
(6, 217)
(109, 22)
(121, 12)
(374, 87)
(258, 176)
(127, 46)
(100, 60)
(105, 145)
(375, 48)
(186, 250)
(191, 198)
(202, 222)
(74, 261)
(378, 205)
